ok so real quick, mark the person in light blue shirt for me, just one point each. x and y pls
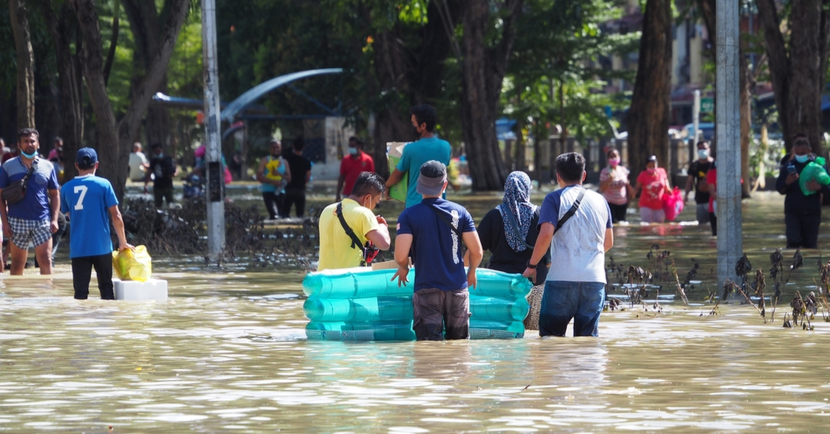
(426, 148)
(88, 199)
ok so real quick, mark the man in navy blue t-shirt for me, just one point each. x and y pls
(34, 218)
(433, 231)
(88, 199)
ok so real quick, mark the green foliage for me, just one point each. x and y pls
(184, 74)
(563, 44)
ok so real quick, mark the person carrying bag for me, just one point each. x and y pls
(16, 191)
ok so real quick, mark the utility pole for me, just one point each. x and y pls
(730, 232)
(695, 118)
(213, 157)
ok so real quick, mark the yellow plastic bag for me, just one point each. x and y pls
(129, 265)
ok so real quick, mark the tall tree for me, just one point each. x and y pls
(19, 16)
(116, 138)
(798, 68)
(648, 117)
(486, 49)
(146, 23)
(63, 31)
(410, 75)
(563, 45)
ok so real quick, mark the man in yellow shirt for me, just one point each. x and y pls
(337, 248)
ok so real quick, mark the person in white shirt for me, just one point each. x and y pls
(138, 163)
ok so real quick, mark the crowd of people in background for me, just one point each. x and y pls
(559, 245)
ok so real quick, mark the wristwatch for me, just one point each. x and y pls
(531, 266)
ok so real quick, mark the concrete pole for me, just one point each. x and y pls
(215, 175)
(730, 233)
(696, 116)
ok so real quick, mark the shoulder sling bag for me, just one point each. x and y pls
(369, 251)
(444, 219)
(16, 191)
(571, 211)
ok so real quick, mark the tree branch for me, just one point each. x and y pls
(156, 70)
(113, 45)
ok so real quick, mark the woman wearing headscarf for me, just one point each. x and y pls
(509, 232)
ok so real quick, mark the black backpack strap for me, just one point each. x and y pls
(444, 219)
(571, 211)
(355, 240)
(514, 225)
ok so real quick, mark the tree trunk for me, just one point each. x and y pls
(61, 31)
(410, 76)
(393, 120)
(483, 72)
(648, 117)
(797, 75)
(93, 71)
(390, 126)
(19, 17)
(145, 24)
(115, 140)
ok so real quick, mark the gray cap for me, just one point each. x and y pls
(432, 178)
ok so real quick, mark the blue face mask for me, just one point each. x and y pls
(29, 156)
(802, 158)
(353, 151)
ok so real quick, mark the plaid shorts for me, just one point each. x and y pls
(24, 232)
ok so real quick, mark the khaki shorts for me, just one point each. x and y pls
(435, 309)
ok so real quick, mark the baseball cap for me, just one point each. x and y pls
(86, 158)
(432, 178)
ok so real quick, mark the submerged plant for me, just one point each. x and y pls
(776, 259)
(636, 295)
(760, 284)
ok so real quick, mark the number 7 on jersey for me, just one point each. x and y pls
(80, 189)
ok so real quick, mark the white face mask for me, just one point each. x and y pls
(703, 153)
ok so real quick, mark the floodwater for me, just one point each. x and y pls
(227, 353)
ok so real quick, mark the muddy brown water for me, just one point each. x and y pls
(227, 353)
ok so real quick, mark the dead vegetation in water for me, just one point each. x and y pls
(182, 230)
(638, 283)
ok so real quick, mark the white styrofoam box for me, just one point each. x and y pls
(153, 289)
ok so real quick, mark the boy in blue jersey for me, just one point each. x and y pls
(87, 199)
(427, 147)
(433, 231)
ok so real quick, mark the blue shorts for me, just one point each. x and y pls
(563, 301)
(35, 232)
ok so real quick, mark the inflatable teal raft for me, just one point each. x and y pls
(366, 305)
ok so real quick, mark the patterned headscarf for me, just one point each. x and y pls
(517, 202)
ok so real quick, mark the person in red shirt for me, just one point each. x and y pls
(350, 167)
(654, 182)
(712, 185)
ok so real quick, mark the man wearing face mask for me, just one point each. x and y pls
(339, 248)
(164, 169)
(426, 147)
(802, 213)
(697, 178)
(34, 218)
(351, 166)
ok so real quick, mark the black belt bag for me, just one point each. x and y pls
(16, 191)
